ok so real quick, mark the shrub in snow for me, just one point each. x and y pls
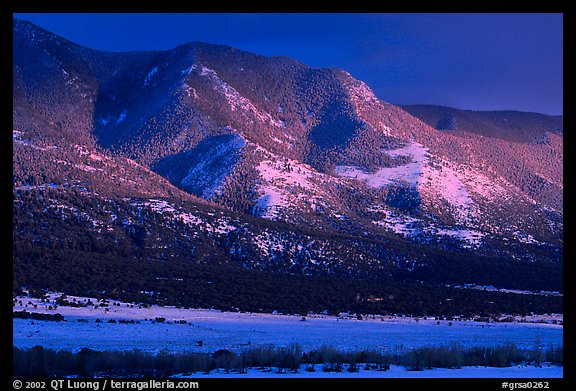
(223, 359)
(32, 315)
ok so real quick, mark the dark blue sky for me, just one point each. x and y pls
(470, 61)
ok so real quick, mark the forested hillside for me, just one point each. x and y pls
(208, 176)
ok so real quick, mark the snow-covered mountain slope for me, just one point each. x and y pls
(291, 167)
(177, 111)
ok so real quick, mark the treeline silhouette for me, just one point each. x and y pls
(41, 362)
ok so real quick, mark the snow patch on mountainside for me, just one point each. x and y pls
(472, 238)
(400, 224)
(454, 187)
(17, 140)
(211, 165)
(361, 95)
(150, 75)
(267, 243)
(288, 172)
(284, 184)
(270, 204)
(122, 117)
(444, 184)
(463, 188)
(525, 237)
(415, 227)
(360, 92)
(220, 226)
(235, 99)
(442, 181)
(409, 173)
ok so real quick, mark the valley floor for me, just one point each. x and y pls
(194, 330)
(396, 372)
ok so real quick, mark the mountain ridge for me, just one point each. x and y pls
(512, 125)
(265, 163)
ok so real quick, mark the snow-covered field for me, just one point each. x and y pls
(396, 372)
(234, 331)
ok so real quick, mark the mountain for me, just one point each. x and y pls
(515, 126)
(205, 158)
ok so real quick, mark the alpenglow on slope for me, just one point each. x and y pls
(209, 154)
